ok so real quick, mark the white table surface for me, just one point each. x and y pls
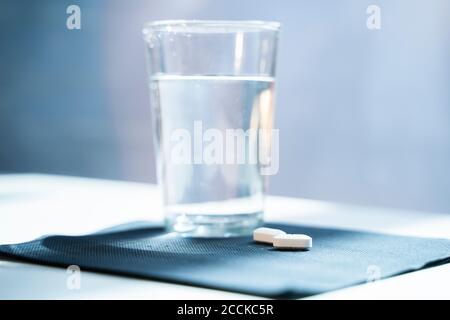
(32, 205)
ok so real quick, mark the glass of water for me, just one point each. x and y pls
(211, 94)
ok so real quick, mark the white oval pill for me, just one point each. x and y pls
(292, 241)
(266, 234)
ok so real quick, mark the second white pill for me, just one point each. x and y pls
(292, 241)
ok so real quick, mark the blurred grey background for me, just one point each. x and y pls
(364, 115)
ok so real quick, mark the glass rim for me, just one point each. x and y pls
(205, 25)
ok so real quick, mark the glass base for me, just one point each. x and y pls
(214, 226)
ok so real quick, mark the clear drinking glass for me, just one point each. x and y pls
(211, 92)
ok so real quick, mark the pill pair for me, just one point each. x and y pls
(281, 240)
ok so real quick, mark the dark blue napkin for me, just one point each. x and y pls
(338, 259)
